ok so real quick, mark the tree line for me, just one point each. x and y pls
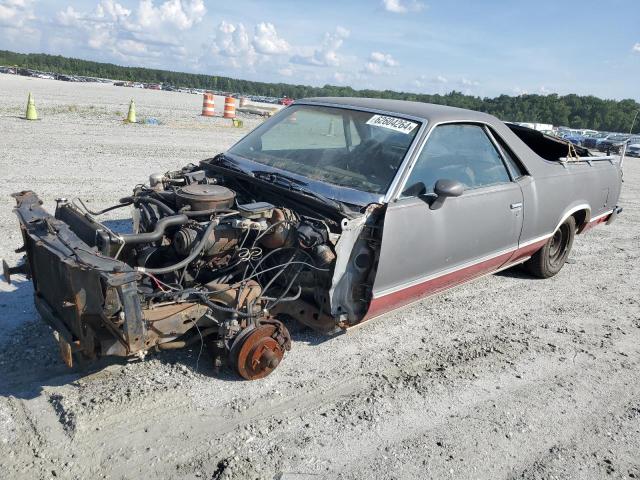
(573, 111)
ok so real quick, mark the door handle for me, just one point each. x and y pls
(516, 206)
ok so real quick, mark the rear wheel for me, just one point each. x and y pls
(548, 261)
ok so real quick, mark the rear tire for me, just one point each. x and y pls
(548, 261)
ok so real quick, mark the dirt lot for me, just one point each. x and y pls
(507, 377)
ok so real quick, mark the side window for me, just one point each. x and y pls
(459, 152)
(513, 165)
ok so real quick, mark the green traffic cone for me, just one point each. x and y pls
(131, 116)
(31, 109)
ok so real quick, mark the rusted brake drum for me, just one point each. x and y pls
(257, 351)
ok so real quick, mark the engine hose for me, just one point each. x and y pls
(282, 298)
(214, 306)
(158, 231)
(192, 256)
(105, 210)
(163, 195)
(161, 205)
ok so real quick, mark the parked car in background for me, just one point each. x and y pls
(633, 147)
(574, 138)
(591, 141)
(286, 101)
(613, 143)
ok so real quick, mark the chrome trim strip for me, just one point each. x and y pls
(582, 206)
(535, 240)
(597, 217)
(411, 164)
(442, 273)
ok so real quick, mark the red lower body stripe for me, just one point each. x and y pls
(595, 222)
(408, 295)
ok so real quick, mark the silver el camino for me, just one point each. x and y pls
(333, 212)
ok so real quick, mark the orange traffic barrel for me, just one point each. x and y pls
(208, 109)
(229, 107)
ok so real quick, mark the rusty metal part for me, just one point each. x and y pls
(205, 197)
(257, 351)
(279, 235)
(324, 255)
(307, 314)
(7, 271)
(235, 296)
(65, 352)
(199, 336)
(168, 322)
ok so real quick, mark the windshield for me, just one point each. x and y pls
(344, 147)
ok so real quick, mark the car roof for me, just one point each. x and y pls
(429, 111)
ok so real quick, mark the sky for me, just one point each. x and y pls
(481, 47)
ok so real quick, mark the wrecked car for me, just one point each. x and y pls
(332, 212)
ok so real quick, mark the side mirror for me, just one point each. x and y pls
(448, 188)
(443, 189)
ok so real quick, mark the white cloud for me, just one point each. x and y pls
(235, 42)
(232, 40)
(469, 83)
(438, 84)
(340, 77)
(383, 59)
(286, 71)
(16, 13)
(112, 9)
(182, 14)
(378, 63)
(154, 30)
(326, 54)
(267, 41)
(373, 68)
(134, 48)
(636, 47)
(402, 6)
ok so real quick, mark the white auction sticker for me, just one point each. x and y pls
(392, 123)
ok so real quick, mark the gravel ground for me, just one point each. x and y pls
(507, 377)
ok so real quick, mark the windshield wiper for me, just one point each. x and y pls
(223, 161)
(296, 185)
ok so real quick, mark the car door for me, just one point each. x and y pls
(429, 245)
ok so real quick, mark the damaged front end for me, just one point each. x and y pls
(212, 258)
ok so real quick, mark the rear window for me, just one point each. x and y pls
(548, 147)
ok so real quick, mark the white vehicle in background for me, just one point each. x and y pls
(633, 148)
